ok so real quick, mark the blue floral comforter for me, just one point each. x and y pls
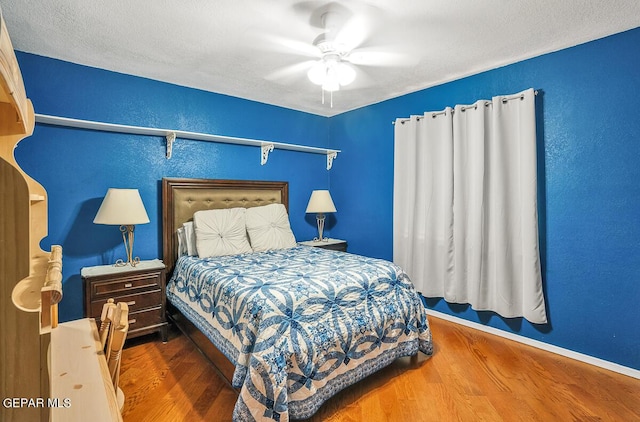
(300, 324)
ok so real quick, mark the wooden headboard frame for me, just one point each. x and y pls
(183, 197)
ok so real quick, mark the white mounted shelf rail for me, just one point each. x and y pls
(171, 135)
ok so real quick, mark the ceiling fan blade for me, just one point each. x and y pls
(363, 79)
(353, 33)
(287, 73)
(280, 44)
(375, 57)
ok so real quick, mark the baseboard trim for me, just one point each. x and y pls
(601, 363)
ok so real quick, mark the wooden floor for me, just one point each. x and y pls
(472, 376)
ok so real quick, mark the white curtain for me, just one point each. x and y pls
(465, 222)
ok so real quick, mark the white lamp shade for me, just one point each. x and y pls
(318, 73)
(331, 85)
(321, 202)
(122, 207)
(346, 74)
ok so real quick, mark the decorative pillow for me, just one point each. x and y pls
(190, 238)
(221, 232)
(268, 228)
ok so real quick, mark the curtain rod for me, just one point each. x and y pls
(504, 99)
(171, 135)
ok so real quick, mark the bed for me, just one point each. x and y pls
(286, 327)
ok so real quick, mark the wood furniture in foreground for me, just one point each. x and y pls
(23, 265)
(141, 287)
(327, 243)
(471, 376)
(81, 385)
(114, 325)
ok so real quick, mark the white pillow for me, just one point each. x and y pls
(182, 242)
(190, 238)
(268, 228)
(221, 232)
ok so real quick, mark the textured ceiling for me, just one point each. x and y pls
(253, 49)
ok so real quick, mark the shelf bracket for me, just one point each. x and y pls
(331, 155)
(266, 148)
(171, 138)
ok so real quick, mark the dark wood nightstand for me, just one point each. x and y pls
(142, 287)
(333, 244)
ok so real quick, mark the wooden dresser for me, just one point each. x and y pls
(141, 287)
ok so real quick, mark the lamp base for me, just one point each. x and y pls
(121, 263)
(127, 238)
(320, 217)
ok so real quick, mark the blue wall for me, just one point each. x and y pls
(76, 167)
(589, 174)
(589, 188)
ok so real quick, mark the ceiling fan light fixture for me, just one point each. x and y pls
(331, 71)
(331, 84)
(346, 74)
(318, 73)
(331, 74)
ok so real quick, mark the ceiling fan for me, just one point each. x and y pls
(333, 68)
(337, 51)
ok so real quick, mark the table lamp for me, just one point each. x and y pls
(124, 208)
(320, 203)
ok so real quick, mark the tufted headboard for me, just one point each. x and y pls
(183, 197)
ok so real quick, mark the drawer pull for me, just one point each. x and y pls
(127, 285)
(131, 303)
(132, 321)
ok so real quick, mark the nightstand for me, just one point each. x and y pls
(333, 244)
(142, 287)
